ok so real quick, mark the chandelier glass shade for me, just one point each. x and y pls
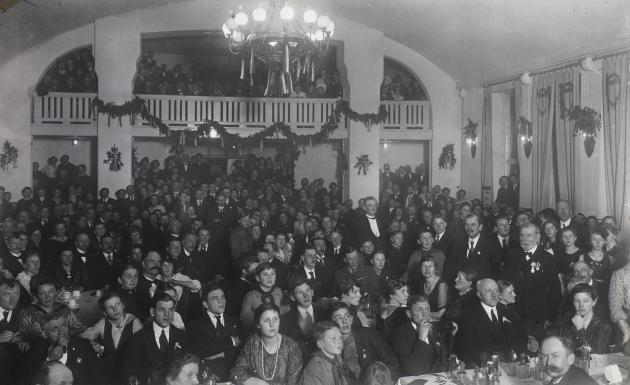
(278, 37)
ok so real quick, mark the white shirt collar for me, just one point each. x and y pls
(532, 250)
(566, 222)
(214, 318)
(488, 309)
(2, 310)
(474, 240)
(308, 310)
(157, 331)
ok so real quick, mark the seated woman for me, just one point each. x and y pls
(268, 357)
(112, 332)
(426, 239)
(518, 337)
(586, 327)
(601, 264)
(433, 287)
(265, 291)
(550, 240)
(66, 273)
(394, 314)
(377, 373)
(569, 254)
(181, 369)
(379, 274)
(325, 367)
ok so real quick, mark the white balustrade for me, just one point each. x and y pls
(63, 108)
(409, 114)
(74, 109)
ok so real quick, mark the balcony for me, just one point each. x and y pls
(71, 113)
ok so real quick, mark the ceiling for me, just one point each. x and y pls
(472, 40)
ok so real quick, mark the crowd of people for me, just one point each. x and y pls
(242, 277)
(205, 80)
(73, 72)
(395, 88)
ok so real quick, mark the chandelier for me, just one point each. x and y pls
(278, 38)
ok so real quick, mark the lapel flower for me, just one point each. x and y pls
(177, 346)
(505, 319)
(79, 360)
(534, 267)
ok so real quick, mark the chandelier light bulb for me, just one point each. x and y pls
(238, 36)
(331, 27)
(226, 31)
(241, 19)
(259, 15)
(323, 21)
(310, 16)
(231, 24)
(318, 36)
(287, 13)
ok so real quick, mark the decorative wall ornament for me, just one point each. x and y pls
(447, 158)
(114, 159)
(587, 122)
(363, 164)
(470, 135)
(525, 133)
(8, 156)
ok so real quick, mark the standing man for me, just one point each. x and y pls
(475, 252)
(534, 274)
(368, 226)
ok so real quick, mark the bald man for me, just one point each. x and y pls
(559, 357)
(486, 327)
(53, 373)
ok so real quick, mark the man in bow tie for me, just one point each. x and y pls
(368, 225)
(534, 274)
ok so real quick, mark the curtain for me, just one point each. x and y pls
(567, 90)
(486, 150)
(616, 123)
(543, 96)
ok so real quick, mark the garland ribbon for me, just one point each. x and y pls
(137, 106)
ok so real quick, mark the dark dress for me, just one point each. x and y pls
(388, 325)
(566, 261)
(112, 356)
(435, 293)
(596, 335)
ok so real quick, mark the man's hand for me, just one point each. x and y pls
(423, 330)
(6, 336)
(23, 346)
(55, 353)
(578, 321)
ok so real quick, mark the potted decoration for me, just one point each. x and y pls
(586, 123)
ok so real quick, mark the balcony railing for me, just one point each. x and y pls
(181, 111)
(63, 108)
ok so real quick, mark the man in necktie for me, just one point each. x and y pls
(149, 349)
(216, 336)
(102, 267)
(9, 354)
(319, 278)
(298, 322)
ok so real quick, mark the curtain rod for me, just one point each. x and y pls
(563, 64)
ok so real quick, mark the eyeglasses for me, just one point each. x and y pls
(340, 318)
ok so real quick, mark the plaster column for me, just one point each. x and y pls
(590, 180)
(116, 51)
(363, 56)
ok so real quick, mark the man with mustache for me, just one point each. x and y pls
(559, 357)
(147, 282)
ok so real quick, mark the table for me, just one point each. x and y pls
(598, 363)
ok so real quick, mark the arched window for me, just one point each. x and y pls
(399, 83)
(72, 72)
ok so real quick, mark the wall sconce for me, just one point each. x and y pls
(526, 78)
(470, 136)
(525, 134)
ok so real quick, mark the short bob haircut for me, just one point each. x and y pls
(584, 288)
(393, 286)
(263, 308)
(174, 366)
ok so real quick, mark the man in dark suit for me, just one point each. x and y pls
(315, 271)
(298, 322)
(151, 348)
(368, 225)
(505, 194)
(209, 257)
(12, 257)
(443, 236)
(484, 327)
(215, 336)
(388, 176)
(475, 252)
(74, 352)
(361, 346)
(147, 282)
(415, 343)
(335, 252)
(502, 240)
(219, 219)
(10, 356)
(558, 352)
(199, 204)
(534, 274)
(103, 266)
